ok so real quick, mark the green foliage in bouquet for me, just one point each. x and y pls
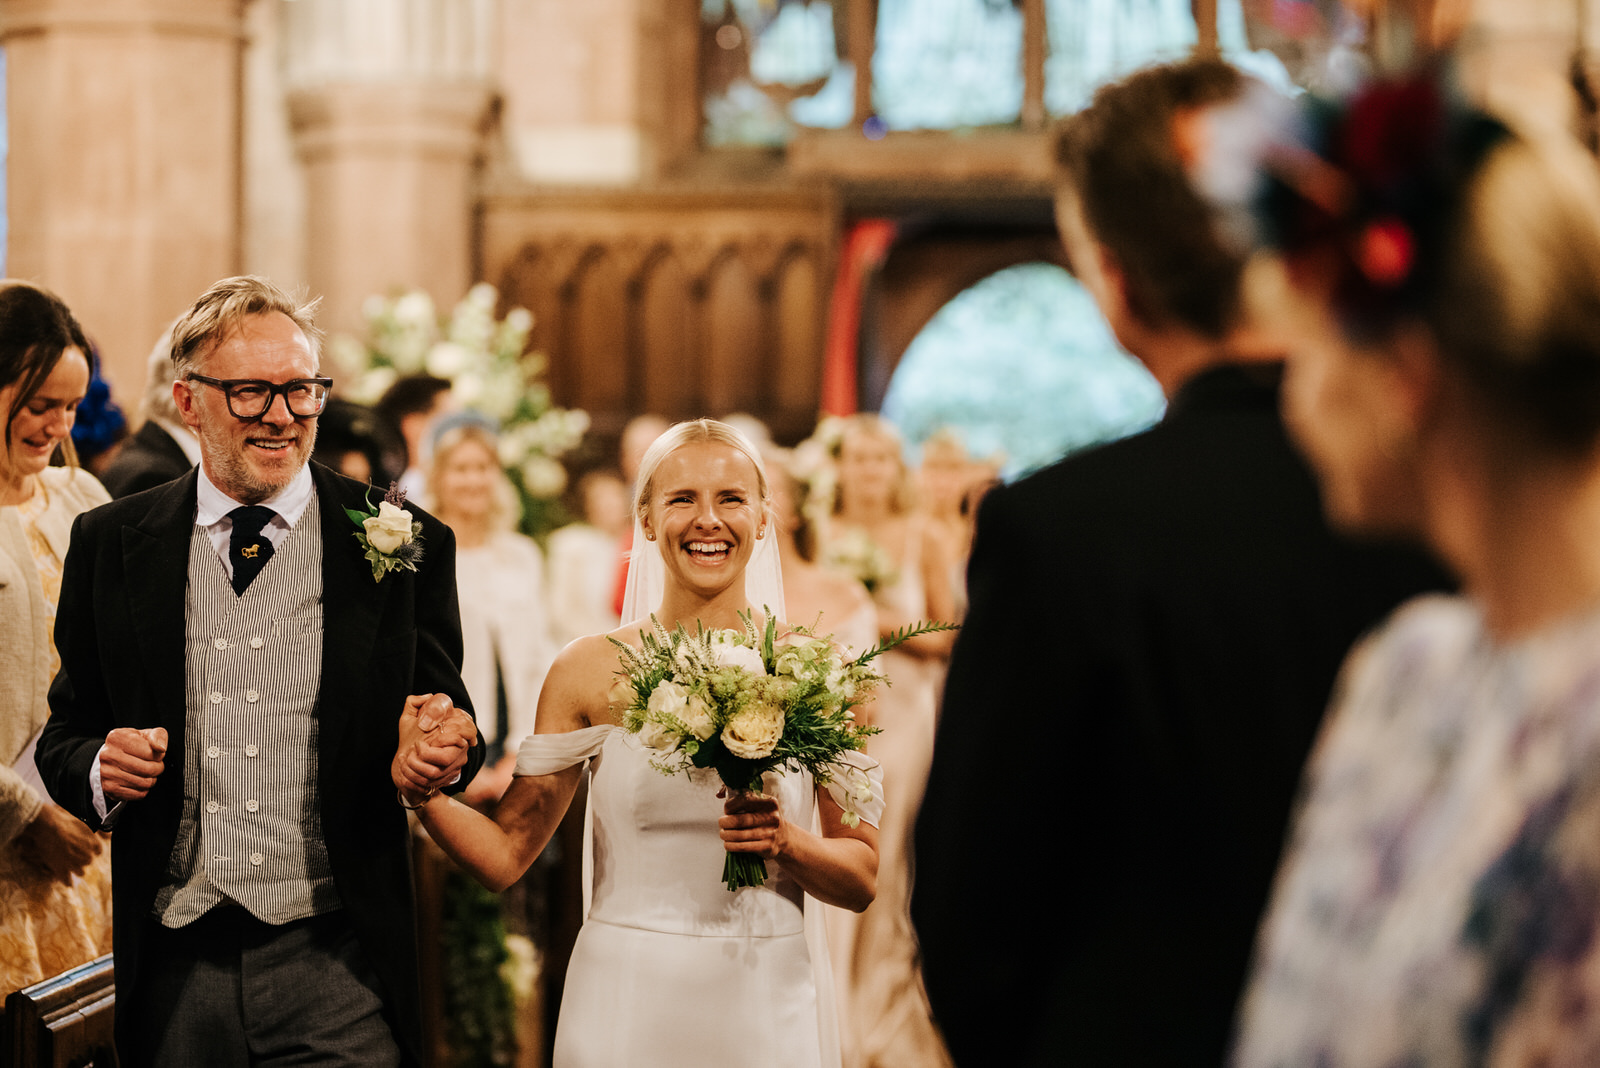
(490, 371)
(747, 703)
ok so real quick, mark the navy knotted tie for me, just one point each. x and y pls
(248, 550)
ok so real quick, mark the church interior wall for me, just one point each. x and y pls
(351, 147)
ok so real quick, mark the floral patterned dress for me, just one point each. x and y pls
(1440, 902)
(45, 927)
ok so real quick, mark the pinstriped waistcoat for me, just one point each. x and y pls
(251, 828)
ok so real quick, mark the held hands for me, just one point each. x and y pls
(753, 823)
(130, 762)
(435, 737)
(57, 844)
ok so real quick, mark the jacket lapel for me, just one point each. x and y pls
(352, 607)
(155, 555)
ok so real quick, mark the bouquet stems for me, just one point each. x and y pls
(743, 869)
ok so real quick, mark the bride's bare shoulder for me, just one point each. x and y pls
(576, 688)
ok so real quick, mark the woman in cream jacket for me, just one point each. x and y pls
(55, 886)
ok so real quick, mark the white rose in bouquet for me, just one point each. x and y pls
(389, 529)
(668, 699)
(739, 656)
(754, 731)
(697, 717)
(659, 737)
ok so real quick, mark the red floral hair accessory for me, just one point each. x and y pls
(1368, 188)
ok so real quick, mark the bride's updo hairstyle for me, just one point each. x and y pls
(1426, 212)
(695, 432)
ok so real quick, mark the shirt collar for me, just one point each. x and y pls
(290, 502)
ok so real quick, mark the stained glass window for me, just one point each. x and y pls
(1021, 364)
(944, 64)
(771, 67)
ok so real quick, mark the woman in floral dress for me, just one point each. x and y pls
(1440, 901)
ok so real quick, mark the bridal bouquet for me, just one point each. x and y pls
(746, 702)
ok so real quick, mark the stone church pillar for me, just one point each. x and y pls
(123, 178)
(388, 100)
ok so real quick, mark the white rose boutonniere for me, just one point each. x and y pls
(389, 536)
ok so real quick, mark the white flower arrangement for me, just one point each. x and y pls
(748, 703)
(489, 371)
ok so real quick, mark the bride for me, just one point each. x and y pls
(670, 967)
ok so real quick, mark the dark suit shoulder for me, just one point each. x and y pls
(138, 509)
(150, 458)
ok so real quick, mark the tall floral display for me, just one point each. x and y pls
(485, 360)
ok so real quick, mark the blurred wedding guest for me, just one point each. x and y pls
(162, 449)
(407, 411)
(55, 877)
(752, 427)
(637, 436)
(500, 581)
(100, 429)
(347, 439)
(1159, 622)
(944, 480)
(1439, 902)
(824, 599)
(829, 602)
(875, 530)
(583, 558)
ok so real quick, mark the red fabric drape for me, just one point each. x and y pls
(865, 246)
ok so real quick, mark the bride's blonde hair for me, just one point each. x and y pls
(695, 432)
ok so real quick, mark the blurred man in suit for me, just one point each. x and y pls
(162, 449)
(1155, 627)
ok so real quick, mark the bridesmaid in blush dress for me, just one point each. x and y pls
(889, 1023)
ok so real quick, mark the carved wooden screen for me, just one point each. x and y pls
(682, 303)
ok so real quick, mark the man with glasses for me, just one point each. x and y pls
(231, 679)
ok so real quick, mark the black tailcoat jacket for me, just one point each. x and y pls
(120, 633)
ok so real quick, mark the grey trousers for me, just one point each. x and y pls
(229, 990)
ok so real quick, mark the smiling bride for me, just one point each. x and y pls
(672, 968)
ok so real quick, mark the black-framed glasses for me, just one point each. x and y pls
(249, 398)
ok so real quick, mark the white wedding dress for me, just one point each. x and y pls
(670, 967)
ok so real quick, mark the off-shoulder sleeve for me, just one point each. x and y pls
(856, 785)
(546, 754)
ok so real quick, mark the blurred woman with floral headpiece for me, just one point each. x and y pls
(1440, 900)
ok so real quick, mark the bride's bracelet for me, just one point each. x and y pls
(401, 797)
